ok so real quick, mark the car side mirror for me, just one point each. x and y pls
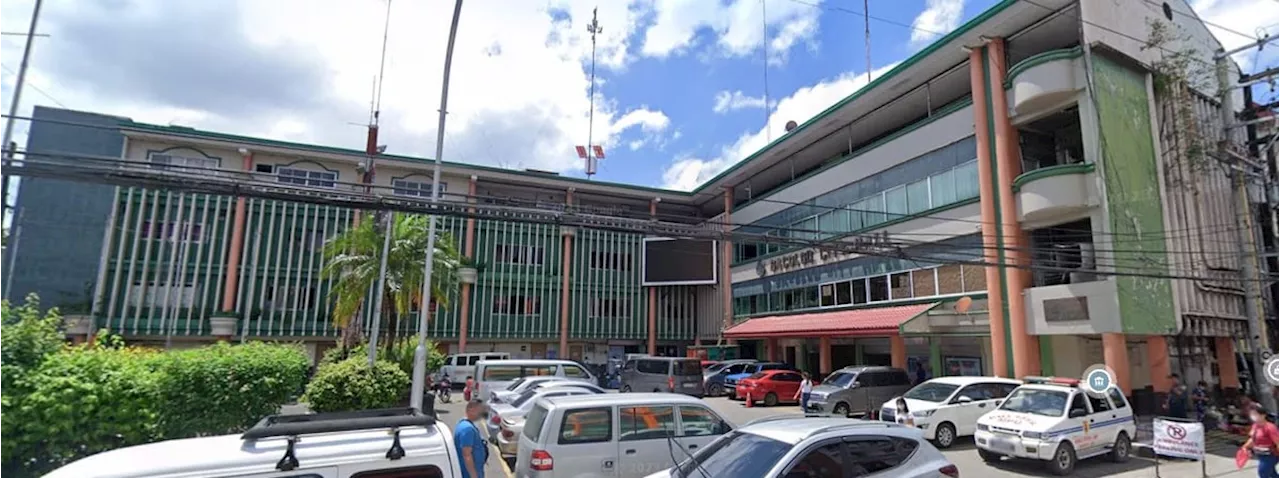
(963, 399)
(855, 385)
(1077, 413)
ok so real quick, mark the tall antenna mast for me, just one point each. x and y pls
(592, 152)
(866, 24)
(764, 46)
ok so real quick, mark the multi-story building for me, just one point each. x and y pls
(1039, 172)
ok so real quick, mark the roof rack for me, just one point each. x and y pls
(293, 426)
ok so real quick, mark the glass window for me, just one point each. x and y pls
(967, 180)
(538, 370)
(404, 187)
(922, 283)
(942, 187)
(1078, 403)
(931, 392)
(879, 288)
(827, 293)
(497, 373)
(824, 461)
(918, 196)
(859, 291)
(588, 425)
(646, 423)
(870, 455)
(844, 293)
(1099, 402)
(1117, 398)
(420, 471)
(895, 202)
(736, 454)
(950, 279)
(833, 222)
(975, 278)
(302, 177)
(1048, 403)
(699, 421)
(900, 285)
(574, 371)
(871, 210)
(652, 366)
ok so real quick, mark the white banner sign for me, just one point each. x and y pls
(1178, 439)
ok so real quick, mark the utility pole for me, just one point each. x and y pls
(1254, 310)
(592, 151)
(7, 143)
(389, 221)
(420, 352)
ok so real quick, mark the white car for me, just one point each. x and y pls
(1060, 422)
(946, 408)
(518, 408)
(519, 386)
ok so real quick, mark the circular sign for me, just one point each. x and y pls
(1098, 378)
(1273, 370)
(1176, 432)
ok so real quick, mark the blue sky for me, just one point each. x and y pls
(680, 83)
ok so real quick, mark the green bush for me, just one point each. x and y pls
(224, 388)
(401, 354)
(27, 338)
(352, 385)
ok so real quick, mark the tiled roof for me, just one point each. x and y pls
(877, 321)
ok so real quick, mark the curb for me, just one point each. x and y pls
(506, 470)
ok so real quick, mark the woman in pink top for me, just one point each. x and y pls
(1263, 438)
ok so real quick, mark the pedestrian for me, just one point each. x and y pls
(921, 376)
(473, 452)
(1200, 399)
(802, 394)
(902, 414)
(466, 390)
(1262, 442)
(1176, 405)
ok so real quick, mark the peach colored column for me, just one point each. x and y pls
(1158, 361)
(653, 296)
(1228, 374)
(898, 351)
(1026, 349)
(986, 191)
(230, 285)
(824, 355)
(565, 265)
(726, 259)
(1116, 356)
(771, 350)
(468, 245)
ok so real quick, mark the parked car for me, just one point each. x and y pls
(331, 445)
(616, 435)
(497, 375)
(946, 408)
(858, 390)
(460, 366)
(518, 386)
(787, 446)
(770, 387)
(713, 376)
(663, 374)
(731, 381)
(505, 416)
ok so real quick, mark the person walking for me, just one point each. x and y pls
(802, 394)
(473, 452)
(1176, 406)
(1200, 400)
(1262, 442)
(902, 414)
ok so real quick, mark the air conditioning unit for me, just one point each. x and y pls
(1088, 264)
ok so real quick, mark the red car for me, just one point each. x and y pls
(770, 387)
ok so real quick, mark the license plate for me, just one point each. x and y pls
(690, 385)
(1004, 444)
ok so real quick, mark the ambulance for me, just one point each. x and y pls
(1058, 421)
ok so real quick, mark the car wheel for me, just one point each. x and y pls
(771, 399)
(625, 389)
(841, 409)
(1064, 460)
(1121, 449)
(733, 394)
(945, 435)
(715, 390)
(987, 456)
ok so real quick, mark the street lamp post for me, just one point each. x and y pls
(420, 352)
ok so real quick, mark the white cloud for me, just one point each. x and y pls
(1240, 16)
(732, 101)
(738, 26)
(938, 18)
(686, 173)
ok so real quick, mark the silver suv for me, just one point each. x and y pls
(787, 446)
(858, 390)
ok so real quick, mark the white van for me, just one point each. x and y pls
(459, 366)
(330, 445)
(495, 375)
(946, 408)
(619, 435)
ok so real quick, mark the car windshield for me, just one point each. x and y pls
(515, 383)
(738, 454)
(524, 397)
(840, 379)
(688, 367)
(1049, 403)
(716, 368)
(931, 392)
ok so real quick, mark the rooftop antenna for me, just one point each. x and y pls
(764, 45)
(373, 149)
(371, 146)
(866, 25)
(592, 152)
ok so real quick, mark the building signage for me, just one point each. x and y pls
(816, 257)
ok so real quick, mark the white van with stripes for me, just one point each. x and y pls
(1058, 421)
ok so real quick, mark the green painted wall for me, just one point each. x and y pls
(1130, 172)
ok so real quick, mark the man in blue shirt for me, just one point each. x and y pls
(472, 449)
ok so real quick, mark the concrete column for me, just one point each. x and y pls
(468, 248)
(824, 355)
(935, 357)
(726, 258)
(653, 295)
(1158, 361)
(1026, 350)
(771, 350)
(990, 231)
(898, 351)
(565, 265)
(1116, 357)
(230, 285)
(1228, 374)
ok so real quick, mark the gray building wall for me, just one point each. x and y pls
(56, 236)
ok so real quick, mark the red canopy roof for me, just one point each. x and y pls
(866, 322)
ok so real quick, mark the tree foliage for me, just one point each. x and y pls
(352, 384)
(399, 353)
(28, 338)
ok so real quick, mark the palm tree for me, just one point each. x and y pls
(353, 259)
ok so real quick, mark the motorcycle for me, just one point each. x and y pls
(443, 390)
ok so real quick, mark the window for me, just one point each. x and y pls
(922, 284)
(918, 196)
(844, 294)
(421, 471)
(534, 421)
(404, 187)
(290, 298)
(967, 180)
(859, 291)
(1099, 402)
(652, 366)
(895, 202)
(184, 164)
(735, 455)
(160, 294)
(618, 261)
(1117, 398)
(302, 177)
(699, 421)
(874, 455)
(879, 286)
(574, 371)
(588, 425)
(503, 373)
(1078, 404)
(610, 308)
(942, 187)
(827, 295)
(950, 279)
(976, 392)
(900, 285)
(515, 254)
(517, 305)
(787, 377)
(172, 231)
(822, 462)
(309, 240)
(646, 423)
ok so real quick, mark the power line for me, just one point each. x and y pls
(37, 88)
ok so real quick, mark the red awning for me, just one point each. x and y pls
(865, 322)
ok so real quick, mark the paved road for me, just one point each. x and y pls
(962, 454)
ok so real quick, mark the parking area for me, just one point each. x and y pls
(962, 454)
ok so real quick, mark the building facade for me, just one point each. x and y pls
(1036, 171)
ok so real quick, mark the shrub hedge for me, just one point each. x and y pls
(401, 354)
(352, 385)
